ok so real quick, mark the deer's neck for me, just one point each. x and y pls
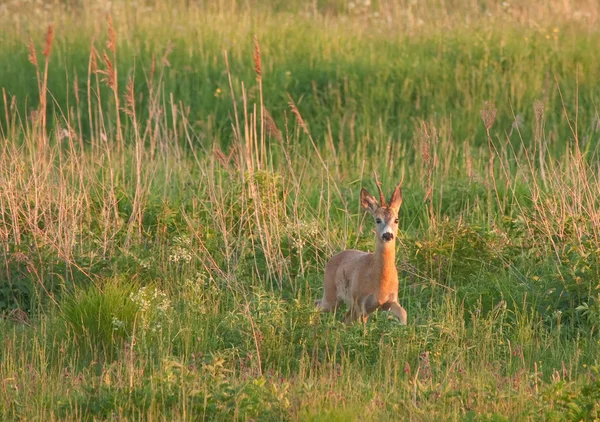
(385, 260)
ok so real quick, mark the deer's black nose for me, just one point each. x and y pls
(387, 236)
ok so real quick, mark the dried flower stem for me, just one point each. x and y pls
(43, 93)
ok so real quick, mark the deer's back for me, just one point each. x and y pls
(346, 260)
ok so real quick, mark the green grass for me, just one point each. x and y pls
(162, 261)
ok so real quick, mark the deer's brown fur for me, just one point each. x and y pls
(367, 281)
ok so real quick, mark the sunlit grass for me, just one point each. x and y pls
(164, 230)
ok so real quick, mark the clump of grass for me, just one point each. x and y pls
(101, 319)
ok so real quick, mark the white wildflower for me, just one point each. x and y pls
(117, 323)
(181, 250)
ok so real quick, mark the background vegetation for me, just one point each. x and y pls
(175, 175)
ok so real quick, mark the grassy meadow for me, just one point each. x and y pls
(175, 175)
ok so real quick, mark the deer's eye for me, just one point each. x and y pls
(396, 221)
(378, 220)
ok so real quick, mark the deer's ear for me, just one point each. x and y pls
(396, 200)
(367, 201)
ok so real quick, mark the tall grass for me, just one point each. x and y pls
(168, 199)
(421, 61)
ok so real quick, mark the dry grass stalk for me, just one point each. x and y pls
(92, 70)
(165, 57)
(7, 117)
(235, 111)
(427, 141)
(425, 145)
(33, 60)
(296, 113)
(468, 160)
(93, 59)
(488, 114)
(271, 126)
(130, 98)
(152, 67)
(109, 72)
(49, 38)
(257, 59)
(302, 124)
(538, 109)
(44, 85)
(76, 88)
(223, 159)
(111, 43)
(220, 156)
(112, 80)
(258, 70)
(32, 55)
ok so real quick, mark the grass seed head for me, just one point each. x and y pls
(109, 73)
(32, 55)
(271, 126)
(488, 114)
(130, 98)
(538, 109)
(93, 60)
(111, 43)
(297, 114)
(257, 60)
(49, 38)
(165, 57)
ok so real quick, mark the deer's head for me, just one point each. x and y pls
(385, 214)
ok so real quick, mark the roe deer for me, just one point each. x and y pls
(367, 281)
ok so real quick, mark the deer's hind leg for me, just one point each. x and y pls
(359, 309)
(330, 300)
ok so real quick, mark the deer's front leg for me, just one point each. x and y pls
(398, 311)
(361, 309)
(368, 305)
(353, 313)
